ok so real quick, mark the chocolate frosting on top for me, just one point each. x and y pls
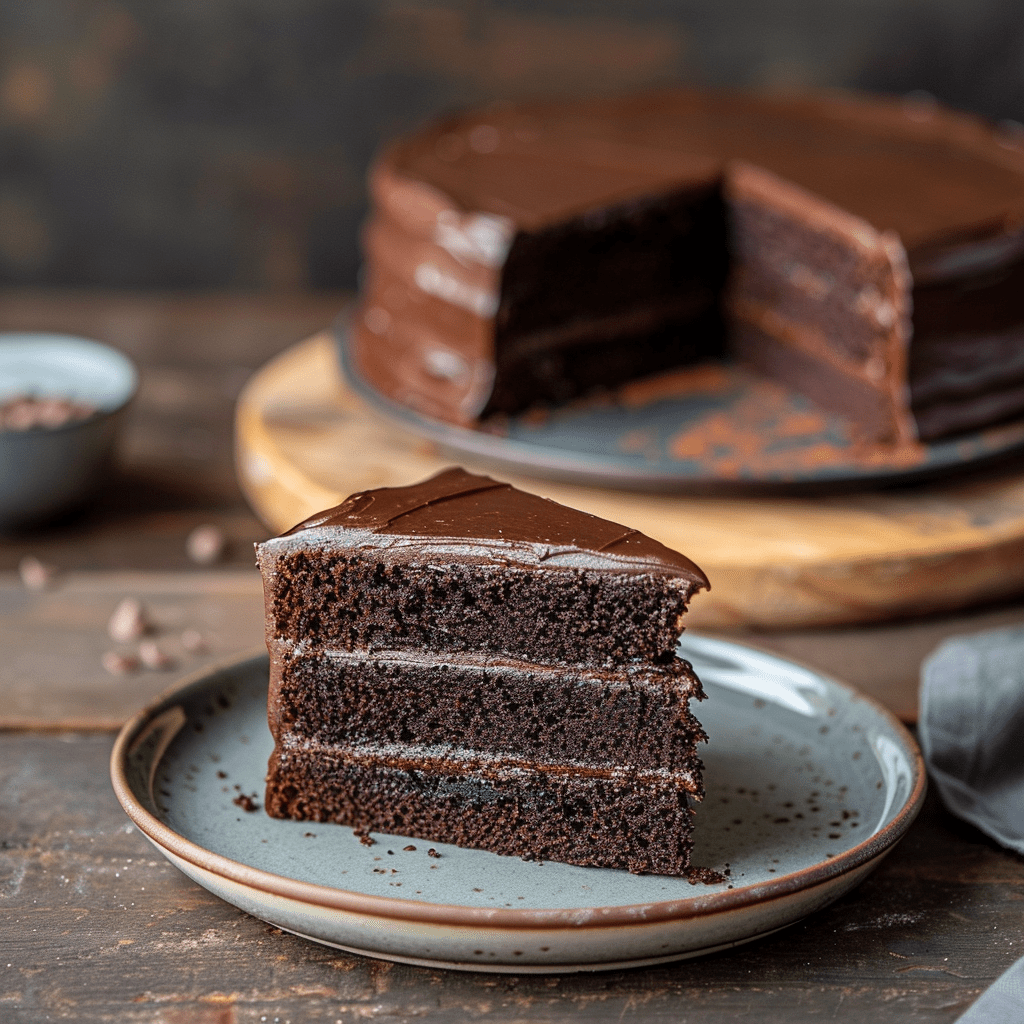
(474, 515)
(938, 178)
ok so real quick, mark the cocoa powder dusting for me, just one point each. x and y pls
(766, 432)
(705, 378)
(751, 427)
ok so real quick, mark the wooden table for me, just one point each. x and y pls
(94, 925)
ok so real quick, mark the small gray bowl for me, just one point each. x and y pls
(46, 471)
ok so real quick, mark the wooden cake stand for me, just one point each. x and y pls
(305, 441)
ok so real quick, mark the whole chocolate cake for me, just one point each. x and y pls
(867, 252)
(465, 662)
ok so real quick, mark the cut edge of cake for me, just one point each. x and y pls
(508, 786)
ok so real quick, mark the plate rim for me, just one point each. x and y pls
(515, 456)
(532, 919)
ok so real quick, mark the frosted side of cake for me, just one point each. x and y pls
(868, 252)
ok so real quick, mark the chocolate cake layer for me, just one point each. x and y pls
(619, 819)
(639, 718)
(519, 225)
(464, 662)
(826, 297)
(971, 373)
(464, 563)
(563, 616)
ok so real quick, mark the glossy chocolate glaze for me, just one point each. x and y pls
(474, 516)
(936, 178)
(941, 193)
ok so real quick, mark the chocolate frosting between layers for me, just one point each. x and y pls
(467, 514)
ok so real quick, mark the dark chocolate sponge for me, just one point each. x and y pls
(464, 662)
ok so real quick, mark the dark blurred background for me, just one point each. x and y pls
(209, 144)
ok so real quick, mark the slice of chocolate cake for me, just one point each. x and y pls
(463, 662)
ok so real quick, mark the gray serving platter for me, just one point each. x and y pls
(717, 426)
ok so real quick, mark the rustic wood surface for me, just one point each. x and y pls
(53, 677)
(305, 441)
(96, 926)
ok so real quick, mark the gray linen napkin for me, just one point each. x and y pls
(1002, 1002)
(971, 728)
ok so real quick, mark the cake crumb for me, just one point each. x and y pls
(153, 657)
(364, 837)
(194, 642)
(433, 853)
(705, 876)
(128, 622)
(409, 849)
(118, 664)
(246, 802)
(36, 575)
(206, 544)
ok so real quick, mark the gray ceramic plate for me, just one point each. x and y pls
(809, 784)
